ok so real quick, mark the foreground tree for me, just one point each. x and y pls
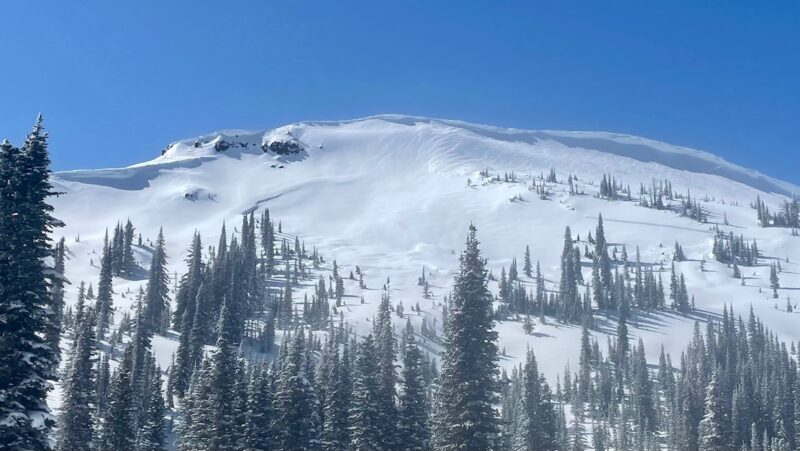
(77, 412)
(27, 360)
(469, 388)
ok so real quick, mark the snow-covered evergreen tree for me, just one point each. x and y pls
(469, 387)
(27, 359)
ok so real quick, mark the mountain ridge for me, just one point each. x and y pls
(637, 148)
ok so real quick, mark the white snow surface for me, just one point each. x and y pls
(389, 193)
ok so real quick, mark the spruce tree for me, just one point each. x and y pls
(27, 360)
(540, 416)
(156, 297)
(54, 325)
(713, 433)
(104, 305)
(336, 427)
(774, 283)
(385, 400)
(296, 422)
(152, 435)
(526, 264)
(118, 431)
(76, 428)
(259, 434)
(364, 412)
(222, 383)
(413, 427)
(469, 364)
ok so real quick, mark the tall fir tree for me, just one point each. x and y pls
(469, 365)
(152, 435)
(157, 294)
(118, 430)
(364, 412)
(28, 362)
(76, 430)
(296, 422)
(104, 305)
(259, 434)
(413, 427)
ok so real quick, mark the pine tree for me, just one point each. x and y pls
(156, 298)
(387, 392)
(28, 361)
(336, 433)
(364, 413)
(713, 434)
(54, 326)
(118, 432)
(104, 306)
(77, 412)
(526, 263)
(773, 280)
(286, 308)
(413, 427)
(469, 364)
(222, 381)
(259, 434)
(152, 435)
(296, 422)
(128, 261)
(540, 417)
(190, 283)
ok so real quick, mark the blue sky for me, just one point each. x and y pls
(117, 81)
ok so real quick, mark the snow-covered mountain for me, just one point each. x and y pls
(395, 193)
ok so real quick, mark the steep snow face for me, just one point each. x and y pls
(390, 194)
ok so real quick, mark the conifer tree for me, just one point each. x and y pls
(128, 261)
(152, 435)
(774, 283)
(104, 306)
(118, 431)
(385, 400)
(526, 264)
(364, 413)
(713, 434)
(190, 283)
(336, 428)
(258, 429)
(296, 423)
(222, 381)
(540, 417)
(77, 412)
(156, 297)
(27, 359)
(413, 427)
(54, 325)
(469, 364)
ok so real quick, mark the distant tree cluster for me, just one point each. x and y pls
(736, 388)
(787, 216)
(731, 249)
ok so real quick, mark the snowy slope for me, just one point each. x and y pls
(390, 194)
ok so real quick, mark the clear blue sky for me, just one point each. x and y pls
(119, 80)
